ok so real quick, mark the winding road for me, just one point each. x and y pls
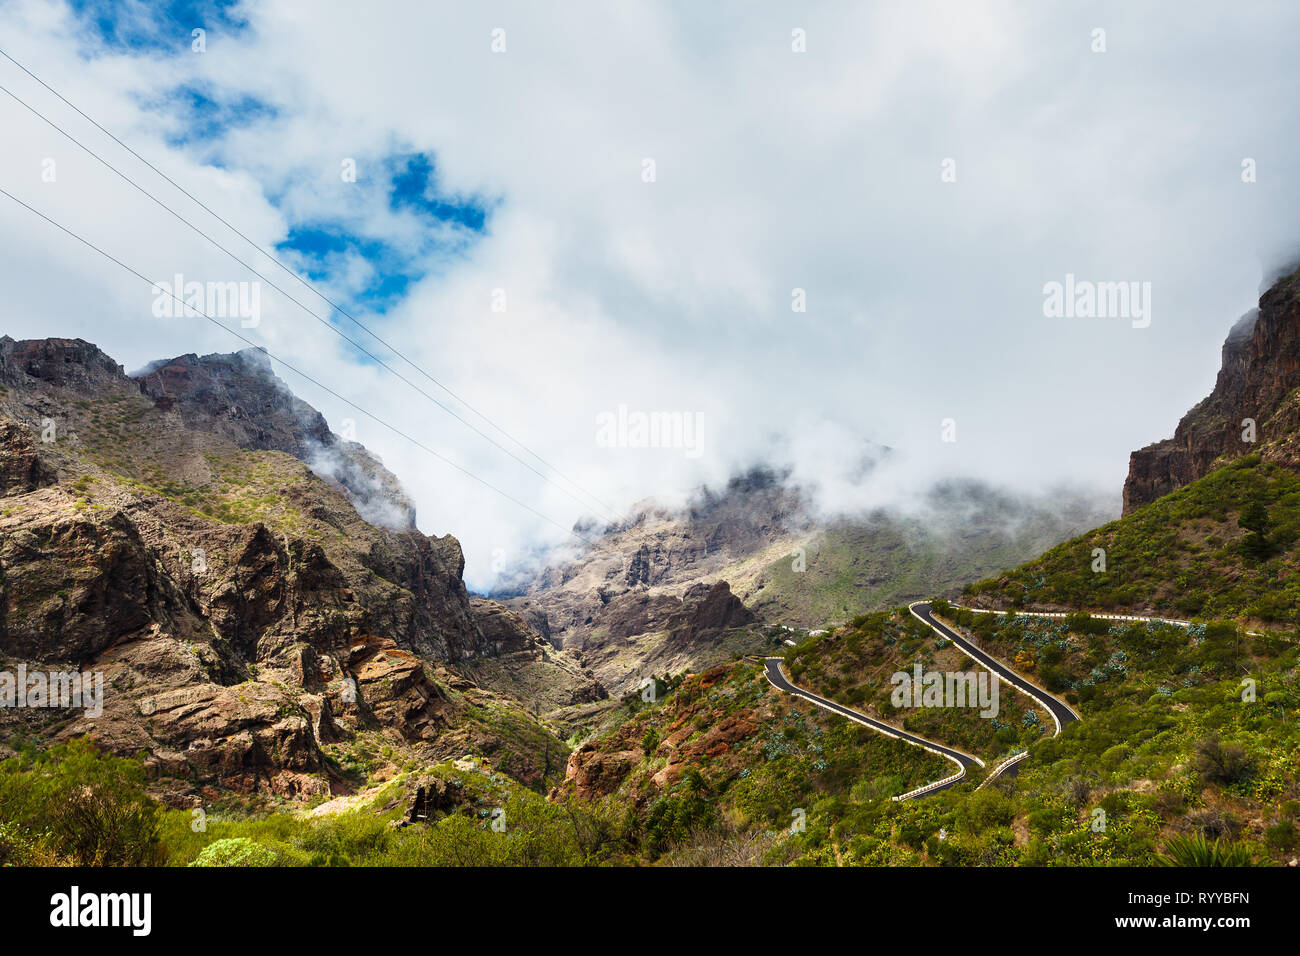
(1062, 713)
(776, 676)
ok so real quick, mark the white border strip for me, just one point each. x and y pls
(1014, 758)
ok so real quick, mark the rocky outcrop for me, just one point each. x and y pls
(435, 797)
(693, 729)
(239, 396)
(502, 630)
(1258, 379)
(170, 536)
(71, 365)
(22, 468)
(718, 610)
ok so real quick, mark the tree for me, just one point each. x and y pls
(1254, 518)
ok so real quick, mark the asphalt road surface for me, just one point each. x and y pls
(1059, 709)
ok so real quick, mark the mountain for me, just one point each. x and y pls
(197, 534)
(1179, 756)
(1258, 382)
(252, 587)
(1211, 522)
(629, 607)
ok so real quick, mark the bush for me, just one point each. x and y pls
(1084, 623)
(672, 818)
(76, 803)
(1281, 836)
(238, 851)
(1222, 763)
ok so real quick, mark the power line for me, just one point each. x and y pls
(347, 401)
(320, 319)
(602, 506)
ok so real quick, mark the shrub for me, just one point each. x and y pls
(88, 807)
(237, 851)
(1281, 835)
(1198, 851)
(1218, 762)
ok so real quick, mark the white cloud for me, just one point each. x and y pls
(776, 170)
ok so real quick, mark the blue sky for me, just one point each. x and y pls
(407, 183)
(200, 115)
(155, 27)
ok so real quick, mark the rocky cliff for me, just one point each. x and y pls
(652, 597)
(1258, 381)
(178, 533)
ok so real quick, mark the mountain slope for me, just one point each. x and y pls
(253, 630)
(1211, 523)
(1176, 757)
(621, 606)
(1186, 555)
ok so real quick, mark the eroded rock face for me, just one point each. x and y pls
(1260, 371)
(22, 468)
(239, 671)
(232, 650)
(73, 584)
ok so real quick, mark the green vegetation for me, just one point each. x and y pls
(1221, 547)
(854, 665)
(1175, 762)
(237, 851)
(1173, 752)
(727, 766)
(886, 559)
(1188, 752)
(1198, 851)
(72, 805)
